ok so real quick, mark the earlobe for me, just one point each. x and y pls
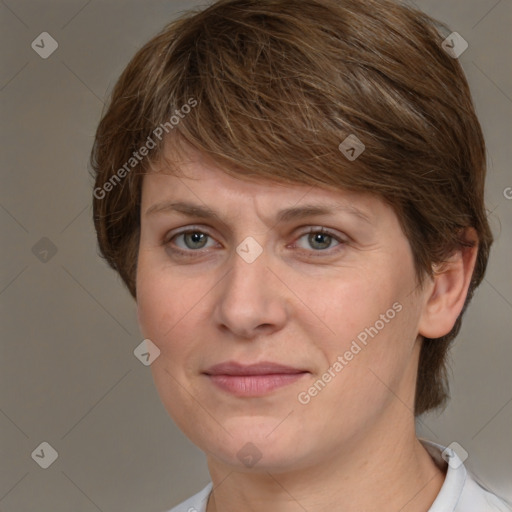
(449, 288)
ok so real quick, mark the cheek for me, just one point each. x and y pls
(165, 317)
(162, 303)
(170, 312)
(355, 305)
(372, 319)
(153, 306)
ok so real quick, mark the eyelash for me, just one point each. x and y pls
(166, 242)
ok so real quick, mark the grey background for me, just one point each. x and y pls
(68, 373)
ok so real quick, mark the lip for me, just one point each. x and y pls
(263, 368)
(254, 379)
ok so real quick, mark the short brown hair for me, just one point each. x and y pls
(277, 86)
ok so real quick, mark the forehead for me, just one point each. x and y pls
(198, 178)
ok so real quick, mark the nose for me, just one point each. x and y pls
(251, 301)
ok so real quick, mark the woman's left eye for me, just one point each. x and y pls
(320, 240)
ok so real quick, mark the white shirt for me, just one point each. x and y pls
(459, 493)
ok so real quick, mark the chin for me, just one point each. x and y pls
(258, 446)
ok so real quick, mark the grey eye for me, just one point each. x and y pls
(318, 240)
(194, 239)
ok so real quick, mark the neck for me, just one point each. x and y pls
(372, 472)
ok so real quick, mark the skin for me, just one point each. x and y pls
(300, 303)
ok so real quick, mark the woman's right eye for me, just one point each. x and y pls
(190, 240)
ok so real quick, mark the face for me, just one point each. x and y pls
(287, 321)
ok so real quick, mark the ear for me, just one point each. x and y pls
(446, 293)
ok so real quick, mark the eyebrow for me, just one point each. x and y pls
(285, 215)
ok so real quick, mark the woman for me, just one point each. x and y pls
(293, 194)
